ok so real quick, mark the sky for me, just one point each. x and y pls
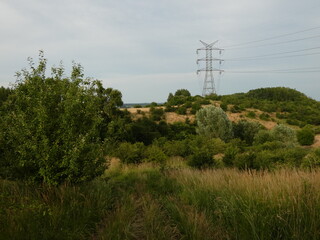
(147, 48)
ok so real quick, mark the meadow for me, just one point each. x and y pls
(174, 202)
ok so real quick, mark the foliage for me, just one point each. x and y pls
(156, 113)
(305, 136)
(154, 154)
(230, 155)
(182, 110)
(200, 159)
(130, 152)
(280, 133)
(213, 122)
(246, 130)
(312, 160)
(52, 127)
(177, 148)
(284, 134)
(181, 96)
(182, 92)
(251, 114)
(4, 94)
(288, 103)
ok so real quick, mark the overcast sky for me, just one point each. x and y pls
(147, 48)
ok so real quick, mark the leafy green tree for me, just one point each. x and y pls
(51, 126)
(182, 92)
(4, 94)
(213, 122)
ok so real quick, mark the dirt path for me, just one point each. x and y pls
(316, 141)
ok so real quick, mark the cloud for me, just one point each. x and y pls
(141, 39)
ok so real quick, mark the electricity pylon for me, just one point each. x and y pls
(208, 85)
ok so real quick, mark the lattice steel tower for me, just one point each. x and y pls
(208, 85)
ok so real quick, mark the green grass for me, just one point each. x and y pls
(148, 202)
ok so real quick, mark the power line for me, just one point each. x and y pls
(277, 43)
(271, 56)
(291, 70)
(270, 38)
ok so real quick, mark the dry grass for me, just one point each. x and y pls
(316, 141)
(262, 184)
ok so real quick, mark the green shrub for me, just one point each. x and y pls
(263, 136)
(130, 153)
(155, 154)
(182, 110)
(245, 160)
(284, 134)
(224, 106)
(195, 107)
(264, 116)
(246, 130)
(312, 160)
(293, 122)
(230, 155)
(156, 114)
(251, 114)
(177, 148)
(305, 136)
(201, 159)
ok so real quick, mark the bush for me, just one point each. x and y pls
(246, 130)
(264, 116)
(251, 114)
(155, 154)
(312, 160)
(156, 113)
(245, 160)
(201, 159)
(230, 155)
(195, 107)
(284, 134)
(305, 136)
(177, 148)
(130, 153)
(182, 110)
(213, 122)
(224, 106)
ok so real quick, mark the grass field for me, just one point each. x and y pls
(149, 202)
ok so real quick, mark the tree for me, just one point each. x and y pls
(51, 126)
(182, 92)
(213, 122)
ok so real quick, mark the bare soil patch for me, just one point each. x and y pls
(316, 141)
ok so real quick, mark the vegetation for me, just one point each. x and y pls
(289, 103)
(305, 136)
(51, 127)
(143, 202)
(75, 166)
(213, 122)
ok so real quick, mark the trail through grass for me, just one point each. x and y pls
(147, 202)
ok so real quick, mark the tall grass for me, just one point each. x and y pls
(42, 212)
(256, 205)
(152, 202)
